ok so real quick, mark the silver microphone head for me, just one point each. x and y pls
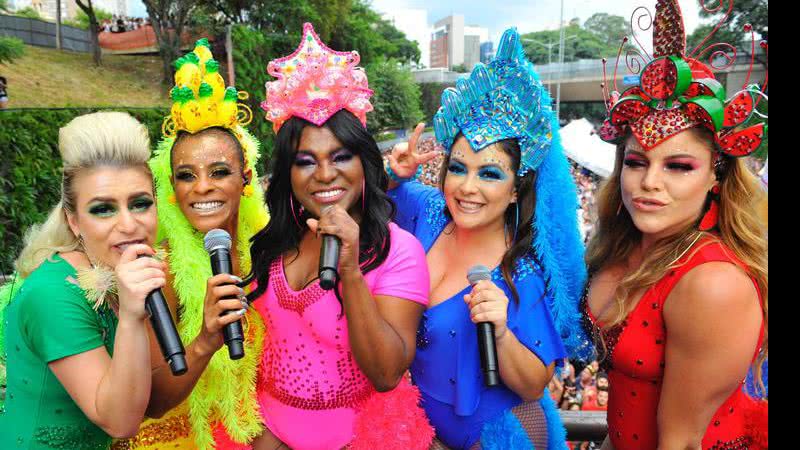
(477, 273)
(216, 239)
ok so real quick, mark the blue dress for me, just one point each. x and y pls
(447, 364)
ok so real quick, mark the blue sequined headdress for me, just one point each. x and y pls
(502, 101)
(506, 100)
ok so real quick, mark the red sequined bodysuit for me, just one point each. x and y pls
(635, 364)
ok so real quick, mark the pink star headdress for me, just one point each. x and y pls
(314, 83)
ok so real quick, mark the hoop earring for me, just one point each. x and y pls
(291, 206)
(363, 195)
(516, 222)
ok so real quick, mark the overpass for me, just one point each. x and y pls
(580, 80)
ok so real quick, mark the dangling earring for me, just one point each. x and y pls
(363, 195)
(248, 191)
(171, 199)
(619, 208)
(709, 220)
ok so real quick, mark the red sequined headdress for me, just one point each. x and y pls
(677, 92)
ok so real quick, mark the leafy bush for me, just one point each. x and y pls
(432, 99)
(81, 20)
(30, 175)
(11, 48)
(28, 12)
(396, 99)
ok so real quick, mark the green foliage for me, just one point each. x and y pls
(460, 68)
(252, 50)
(373, 37)
(81, 19)
(384, 136)
(30, 176)
(4, 6)
(10, 49)
(432, 98)
(754, 12)
(396, 99)
(600, 36)
(28, 12)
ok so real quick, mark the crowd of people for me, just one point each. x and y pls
(121, 24)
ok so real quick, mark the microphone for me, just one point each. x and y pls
(165, 331)
(329, 261)
(218, 244)
(486, 344)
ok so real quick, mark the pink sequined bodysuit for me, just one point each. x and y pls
(310, 386)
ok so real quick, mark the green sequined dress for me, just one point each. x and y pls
(47, 320)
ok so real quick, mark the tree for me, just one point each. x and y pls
(82, 21)
(28, 12)
(611, 30)
(4, 6)
(753, 12)
(10, 49)
(396, 96)
(94, 27)
(168, 18)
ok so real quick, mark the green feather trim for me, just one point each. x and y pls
(226, 391)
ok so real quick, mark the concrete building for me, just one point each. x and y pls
(454, 44)
(414, 24)
(447, 42)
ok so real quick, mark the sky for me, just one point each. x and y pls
(529, 15)
(526, 15)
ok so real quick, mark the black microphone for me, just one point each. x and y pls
(218, 244)
(165, 331)
(329, 261)
(486, 344)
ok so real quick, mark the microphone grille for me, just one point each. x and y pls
(215, 239)
(477, 273)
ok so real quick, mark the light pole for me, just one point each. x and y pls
(549, 46)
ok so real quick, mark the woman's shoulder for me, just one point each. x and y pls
(403, 244)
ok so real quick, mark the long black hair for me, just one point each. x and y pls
(522, 227)
(282, 233)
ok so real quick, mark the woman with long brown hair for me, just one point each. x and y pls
(677, 297)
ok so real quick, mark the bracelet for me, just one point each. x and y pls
(397, 179)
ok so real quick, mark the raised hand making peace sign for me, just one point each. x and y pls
(404, 158)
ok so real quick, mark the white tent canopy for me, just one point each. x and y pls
(586, 148)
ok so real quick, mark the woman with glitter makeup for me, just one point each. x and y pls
(507, 201)
(205, 175)
(75, 334)
(678, 294)
(334, 360)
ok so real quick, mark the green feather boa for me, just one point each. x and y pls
(226, 391)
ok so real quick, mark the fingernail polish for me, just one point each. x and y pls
(241, 311)
(238, 280)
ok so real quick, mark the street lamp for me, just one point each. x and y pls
(549, 46)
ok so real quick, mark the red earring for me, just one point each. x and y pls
(711, 216)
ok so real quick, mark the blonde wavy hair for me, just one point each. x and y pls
(92, 140)
(741, 229)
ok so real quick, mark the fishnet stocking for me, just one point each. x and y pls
(531, 417)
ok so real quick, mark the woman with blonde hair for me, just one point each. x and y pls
(677, 297)
(77, 353)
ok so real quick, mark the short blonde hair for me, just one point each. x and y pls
(98, 139)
